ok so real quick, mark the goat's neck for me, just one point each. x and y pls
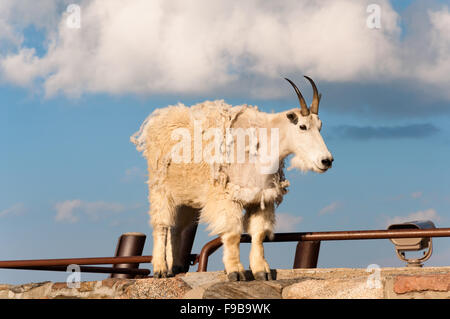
(278, 120)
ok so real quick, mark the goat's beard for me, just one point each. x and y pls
(299, 163)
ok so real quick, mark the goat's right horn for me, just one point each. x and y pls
(316, 97)
(304, 108)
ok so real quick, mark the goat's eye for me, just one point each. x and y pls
(303, 127)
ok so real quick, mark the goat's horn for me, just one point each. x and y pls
(304, 108)
(316, 97)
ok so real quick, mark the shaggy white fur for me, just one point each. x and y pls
(219, 190)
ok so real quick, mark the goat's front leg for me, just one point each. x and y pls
(231, 256)
(259, 223)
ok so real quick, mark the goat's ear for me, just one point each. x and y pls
(292, 117)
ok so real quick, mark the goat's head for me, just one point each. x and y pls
(303, 134)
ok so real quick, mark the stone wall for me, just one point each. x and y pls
(388, 283)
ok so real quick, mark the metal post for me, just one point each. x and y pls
(207, 250)
(129, 244)
(306, 254)
(187, 241)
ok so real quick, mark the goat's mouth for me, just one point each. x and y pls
(319, 169)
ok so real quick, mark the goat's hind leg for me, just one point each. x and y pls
(160, 269)
(162, 219)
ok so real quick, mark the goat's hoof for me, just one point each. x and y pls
(160, 274)
(236, 276)
(260, 275)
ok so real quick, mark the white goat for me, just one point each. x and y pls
(215, 180)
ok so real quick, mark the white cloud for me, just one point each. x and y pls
(16, 209)
(286, 222)
(429, 214)
(426, 51)
(96, 210)
(437, 69)
(65, 210)
(70, 210)
(176, 46)
(16, 15)
(26, 62)
(330, 208)
(21, 13)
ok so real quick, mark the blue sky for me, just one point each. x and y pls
(71, 182)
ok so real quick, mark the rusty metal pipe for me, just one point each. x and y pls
(214, 244)
(77, 261)
(91, 269)
(362, 234)
(206, 251)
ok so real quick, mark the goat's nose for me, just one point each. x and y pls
(327, 162)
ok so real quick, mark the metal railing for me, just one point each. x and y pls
(308, 246)
(125, 264)
(131, 244)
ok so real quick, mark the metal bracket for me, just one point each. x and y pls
(416, 262)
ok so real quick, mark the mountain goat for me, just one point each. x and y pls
(215, 161)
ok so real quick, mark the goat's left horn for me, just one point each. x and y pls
(316, 97)
(303, 107)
